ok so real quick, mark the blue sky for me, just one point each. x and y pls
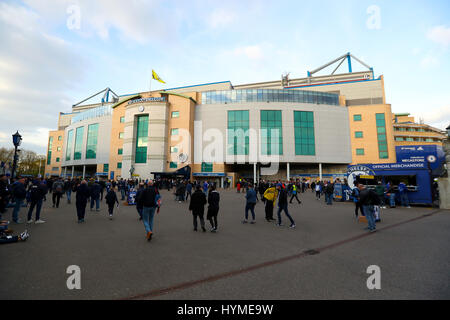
(47, 63)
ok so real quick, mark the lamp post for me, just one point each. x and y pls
(17, 139)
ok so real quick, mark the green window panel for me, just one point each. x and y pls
(92, 140)
(141, 139)
(175, 114)
(304, 133)
(382, 137)
(174, 132)
(122, 119)
(173, 149)
(57, 159)
(59, 138)
(121, 135)
(120, 151)
(119, 165)
(359, 152)
(207, 167)
(357, 117)
(69, 145)
(50, 146)
(358, 134)
(173, 165)
(78, 143)
(106, 167)
(238, 139)
(271, 128)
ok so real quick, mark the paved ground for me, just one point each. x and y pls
(258, 261)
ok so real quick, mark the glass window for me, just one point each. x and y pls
(122, 119)
(173, 165)
(120, 151)
(304, 133)
(360, 152)
(69, 144)
(357, 117)
(50, 146)
(398, 138)
(92, 140)
(173, 149)
(119, 165)
(238, 125)
(106, 167)
(59, 138)
(58, 149)
(78, 143)
(141, 139)
(57, 159)
(207, 167)
(120, 135)
(358, 134)
(382, 137)
(174, 132)
(271, 132)
(175, 114)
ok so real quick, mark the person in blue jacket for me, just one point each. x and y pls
(250, 204)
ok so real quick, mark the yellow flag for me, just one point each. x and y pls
(156, 77)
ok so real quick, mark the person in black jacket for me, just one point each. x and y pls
(197, 206)
(139, 204)
(213, 207)
(111, 200)
(38, 190)
(95, 191)
(4, 194)
(368, 199)
(19, 193)
(283, 205)
(82, 197)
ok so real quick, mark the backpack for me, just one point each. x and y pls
(59, 188)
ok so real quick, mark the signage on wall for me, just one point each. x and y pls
(153, 99)
(432, 154)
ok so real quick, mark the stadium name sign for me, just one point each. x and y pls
(157, 99)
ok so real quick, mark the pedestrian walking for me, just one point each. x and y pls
(329, 191)
(318, 189)
(197, 206)
(150, 198)
(355, 197)
(270, 196)
(368, 199)
(111, 200)
(188, 190)
(38, 190)
(19, 193)
(250, 196)
(82, 196)
(283, 205)
(294, 194)
(58, 190)
(139, 202)
(213, 208)
(95, 191)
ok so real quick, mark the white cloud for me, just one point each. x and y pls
(440, 35)
(222, 17)
(439, 117)
(429, 61)
(36, 71)
(137, 20)
(251, 52)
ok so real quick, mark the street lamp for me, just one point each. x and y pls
(17, 139)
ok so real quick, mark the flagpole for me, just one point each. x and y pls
(151, 76)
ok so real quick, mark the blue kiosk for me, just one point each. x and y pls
(416, 166)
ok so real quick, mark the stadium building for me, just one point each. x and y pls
(293, 128)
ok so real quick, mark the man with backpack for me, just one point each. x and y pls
(368, 200)
(58, 189)
(111, 200)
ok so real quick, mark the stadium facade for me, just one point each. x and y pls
(293, 128)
